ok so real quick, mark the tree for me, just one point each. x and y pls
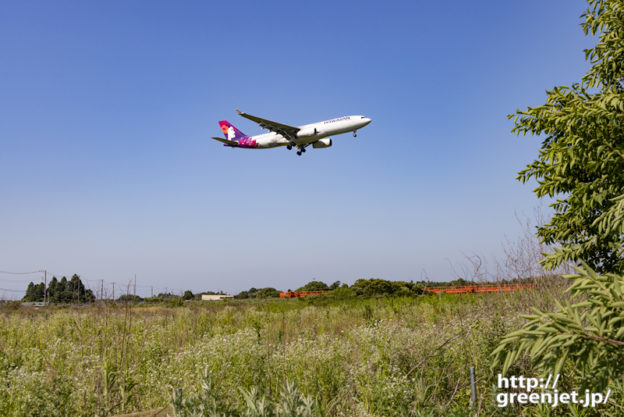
(53, 290)
(129, 298)
(267, 292)
(29, 292)
(314, 286)
(77, 289)
(89, 297)
(581, 161)
(34, 292)
(381, 287)
(64, 291)
(188, 295)
(167, 296)
(242, 295)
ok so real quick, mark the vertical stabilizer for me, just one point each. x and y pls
(231, 132)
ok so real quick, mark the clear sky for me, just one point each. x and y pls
(107, 168)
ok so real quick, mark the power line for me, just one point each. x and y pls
(6, 289)
(16, 279)
(130, 285)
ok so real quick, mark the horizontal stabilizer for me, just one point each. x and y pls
(226, 141)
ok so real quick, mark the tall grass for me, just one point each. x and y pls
(354, 357)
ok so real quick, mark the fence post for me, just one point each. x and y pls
(473, 387)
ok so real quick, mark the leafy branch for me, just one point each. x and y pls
(589, 332)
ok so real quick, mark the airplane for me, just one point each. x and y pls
(299, 137)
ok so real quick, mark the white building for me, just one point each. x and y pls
(216, 297)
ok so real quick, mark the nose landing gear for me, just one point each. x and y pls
(355, 133)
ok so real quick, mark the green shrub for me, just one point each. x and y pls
(588, 333)
(291, 403)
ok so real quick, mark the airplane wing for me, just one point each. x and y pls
(227, 142)
(284, 130)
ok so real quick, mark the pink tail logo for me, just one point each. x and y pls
(231, 132)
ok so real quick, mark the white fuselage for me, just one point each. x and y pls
(311, 133)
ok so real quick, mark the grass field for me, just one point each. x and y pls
(353, 357)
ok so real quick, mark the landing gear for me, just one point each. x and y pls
(289, 147)
(301, 150)
(299, 153)
(355, 134)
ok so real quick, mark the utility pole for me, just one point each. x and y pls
(101, 289)
(152, 291)
(135, 285)
(45, 286)
(113, 291)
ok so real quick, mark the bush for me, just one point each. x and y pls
(589, 333)
(376, 287)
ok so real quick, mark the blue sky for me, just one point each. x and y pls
(107, 168)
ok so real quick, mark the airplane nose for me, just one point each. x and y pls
(367, 120)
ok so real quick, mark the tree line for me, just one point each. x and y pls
(60, 292)
(66, 291)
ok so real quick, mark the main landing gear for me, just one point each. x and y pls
(300, 148)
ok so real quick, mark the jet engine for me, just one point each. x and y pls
(322, 143)
(308, 132)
